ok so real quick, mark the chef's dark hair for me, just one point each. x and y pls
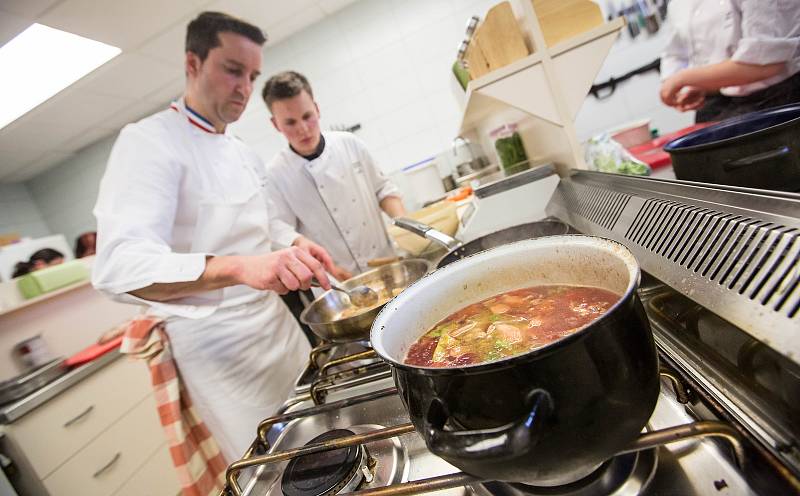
(285, 85)
(46, 255)
(202, 34)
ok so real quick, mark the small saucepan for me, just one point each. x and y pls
(334, 318)
(545, 417)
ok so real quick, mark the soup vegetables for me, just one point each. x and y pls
(509, 324)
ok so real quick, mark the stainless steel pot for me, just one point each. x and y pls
(322, 314)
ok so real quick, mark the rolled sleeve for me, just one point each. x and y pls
(383, 186)
(135, 214)
(768, 36)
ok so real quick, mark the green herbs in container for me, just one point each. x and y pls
(509, 148)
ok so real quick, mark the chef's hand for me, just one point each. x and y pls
(690, 98)
(283, 271)
(322, 255)
(670, 89)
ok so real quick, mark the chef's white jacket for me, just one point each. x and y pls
(332, 200)
(748, 31)
(174, 191)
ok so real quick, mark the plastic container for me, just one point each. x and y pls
(424, 181)
(632, 133)
(510, 150)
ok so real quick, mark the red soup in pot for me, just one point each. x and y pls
(509, 324)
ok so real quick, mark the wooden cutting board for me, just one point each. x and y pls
(499, 37)
(563, 19)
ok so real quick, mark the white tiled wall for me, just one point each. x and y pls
(19, 212)
(384, 64)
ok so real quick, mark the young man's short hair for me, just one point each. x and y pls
(285, 85)
(202, 34)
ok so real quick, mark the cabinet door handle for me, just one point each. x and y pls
(79, 416)
(107, 465)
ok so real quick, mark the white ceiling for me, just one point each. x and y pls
(147, 74)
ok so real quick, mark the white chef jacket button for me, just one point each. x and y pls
(354, 200)
(365, 224)
(321, 186)
(335, 209)
(373, 247)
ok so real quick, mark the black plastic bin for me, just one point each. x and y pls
(756, 150)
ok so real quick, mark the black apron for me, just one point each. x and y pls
(719, 107)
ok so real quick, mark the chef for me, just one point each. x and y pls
(325, 187)
(183, 228)
(730, 57)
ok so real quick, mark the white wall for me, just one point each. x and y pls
(386, 65)
(19, 212)
(66, 194)
(636, 98)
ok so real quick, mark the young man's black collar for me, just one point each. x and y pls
(316, 153)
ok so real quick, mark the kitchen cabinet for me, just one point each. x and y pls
(99, 437)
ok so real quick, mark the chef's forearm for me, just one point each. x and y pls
(393, 206)
(712, 77)
(220, 272)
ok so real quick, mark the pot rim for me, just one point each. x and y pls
(675, 146)
(620, 251)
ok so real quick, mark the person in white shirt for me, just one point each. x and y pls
(325, 187)
(184, 228)
(729, 57)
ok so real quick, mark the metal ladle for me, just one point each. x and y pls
(360, 296)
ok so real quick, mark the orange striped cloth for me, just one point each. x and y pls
(195, 454)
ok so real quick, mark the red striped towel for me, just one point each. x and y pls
(195, 454)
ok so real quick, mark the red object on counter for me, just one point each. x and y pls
(652, 153)
(93, 352)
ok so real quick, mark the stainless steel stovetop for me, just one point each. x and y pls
(726, 421)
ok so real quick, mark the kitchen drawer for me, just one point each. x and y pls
(106, 463)
(52, 433)
(156, 478)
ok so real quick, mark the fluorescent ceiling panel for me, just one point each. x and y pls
(40, 62)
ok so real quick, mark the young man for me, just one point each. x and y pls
(183, 228)
(325, 187)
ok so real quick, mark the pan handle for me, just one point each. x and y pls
(755, 159)
(512, 439)
(427, 232)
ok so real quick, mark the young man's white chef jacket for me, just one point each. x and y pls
(174, 192)
(748, 31)
(332, 200)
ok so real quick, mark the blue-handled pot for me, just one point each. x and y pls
(756, 150)
(546, 417)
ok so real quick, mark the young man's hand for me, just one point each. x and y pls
(321, 254)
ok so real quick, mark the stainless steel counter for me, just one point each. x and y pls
(13, 411)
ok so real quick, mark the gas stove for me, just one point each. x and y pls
(726, 421)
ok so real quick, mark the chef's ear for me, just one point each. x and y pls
(193, 63)
(317, 107)
(275, 123)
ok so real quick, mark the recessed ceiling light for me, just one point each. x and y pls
(40, 62)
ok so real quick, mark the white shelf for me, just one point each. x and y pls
(550, 84)
(524, 83)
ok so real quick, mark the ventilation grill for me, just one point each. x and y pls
(601, 206)
(757, 259)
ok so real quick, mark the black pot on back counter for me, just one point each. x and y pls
(546, 417)
(757, 150)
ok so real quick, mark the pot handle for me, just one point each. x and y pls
(512, 439)
(427, 232)
(755, 159)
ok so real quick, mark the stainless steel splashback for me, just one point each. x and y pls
(732, 250)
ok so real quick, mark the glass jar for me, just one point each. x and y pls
(510, 150)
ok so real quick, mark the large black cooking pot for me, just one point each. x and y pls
(546, 417)
(459, 250)
(756, 150)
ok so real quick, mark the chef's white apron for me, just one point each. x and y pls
(240, 363)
